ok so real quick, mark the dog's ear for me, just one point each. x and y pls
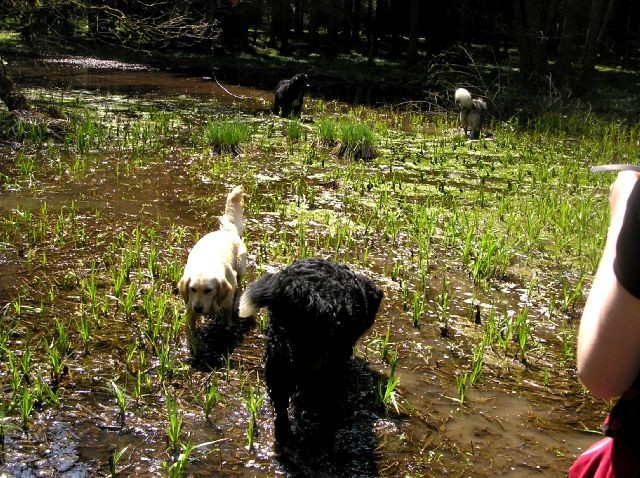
(183, 287)
(224, 289)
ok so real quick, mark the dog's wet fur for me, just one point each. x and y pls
(215, 266)
(290, 96)
(317, 311)
(473, 112)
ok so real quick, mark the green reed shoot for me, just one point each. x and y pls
(567, 339)
(571, 295)
(57, 361)
(119, 278)
(26, 406)
(44, 393)
(136, 392)
(444, 306)
(384, 348)
(522, 330)
(17, 305)
(253, 402)
(177, 468)
(461, 385)
(121, 401)
(506, 333)
(62, 339)
(90, 288)
(387, 394)
(165, 364)
(211, 396)
(25, 361)
(174, 425)
(176, 323)
(84, 331)
(476, 363)
(114, 459)
(418, 308)
(129, 300)
(16, 373)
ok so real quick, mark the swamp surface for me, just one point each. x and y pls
(484, 249)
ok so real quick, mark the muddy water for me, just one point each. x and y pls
(513, 423)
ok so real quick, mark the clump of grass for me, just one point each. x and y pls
(294, 130)
(327, 131)
(357, 141)
(226, 136)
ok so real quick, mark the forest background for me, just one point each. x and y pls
(366, 51)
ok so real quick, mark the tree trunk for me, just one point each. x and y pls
(530, 39)
(284, 27)
(332, 28)
(568, 40)
(597, 23)
(280, 25)
(314, 26)
(412, 54)
(298, 18)
(347, 25)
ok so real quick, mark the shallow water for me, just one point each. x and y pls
(511, 424)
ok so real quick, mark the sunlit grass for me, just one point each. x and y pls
(226, 136)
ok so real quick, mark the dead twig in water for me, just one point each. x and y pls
(227, 91)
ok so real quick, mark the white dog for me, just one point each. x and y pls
(215, 265)
(472, 112)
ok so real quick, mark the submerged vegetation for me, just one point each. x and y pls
(484, 249)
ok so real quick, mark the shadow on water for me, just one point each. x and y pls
(216, 340)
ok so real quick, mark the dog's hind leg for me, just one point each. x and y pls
(279, 378)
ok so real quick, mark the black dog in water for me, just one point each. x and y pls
(317, 312)
(289, 95)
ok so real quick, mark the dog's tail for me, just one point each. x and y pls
(233, 218)
(258, 294)
(463, 99)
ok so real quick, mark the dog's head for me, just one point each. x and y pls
(301, 81)
(203, 294)
(374, 298)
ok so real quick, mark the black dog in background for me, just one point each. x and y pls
(317, 312)
(290, 95)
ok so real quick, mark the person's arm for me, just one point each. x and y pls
(609, 335)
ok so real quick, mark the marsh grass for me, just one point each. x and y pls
(253, 401)
(327, 132)
(357, 141)
(226, 136)
(431, 216)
